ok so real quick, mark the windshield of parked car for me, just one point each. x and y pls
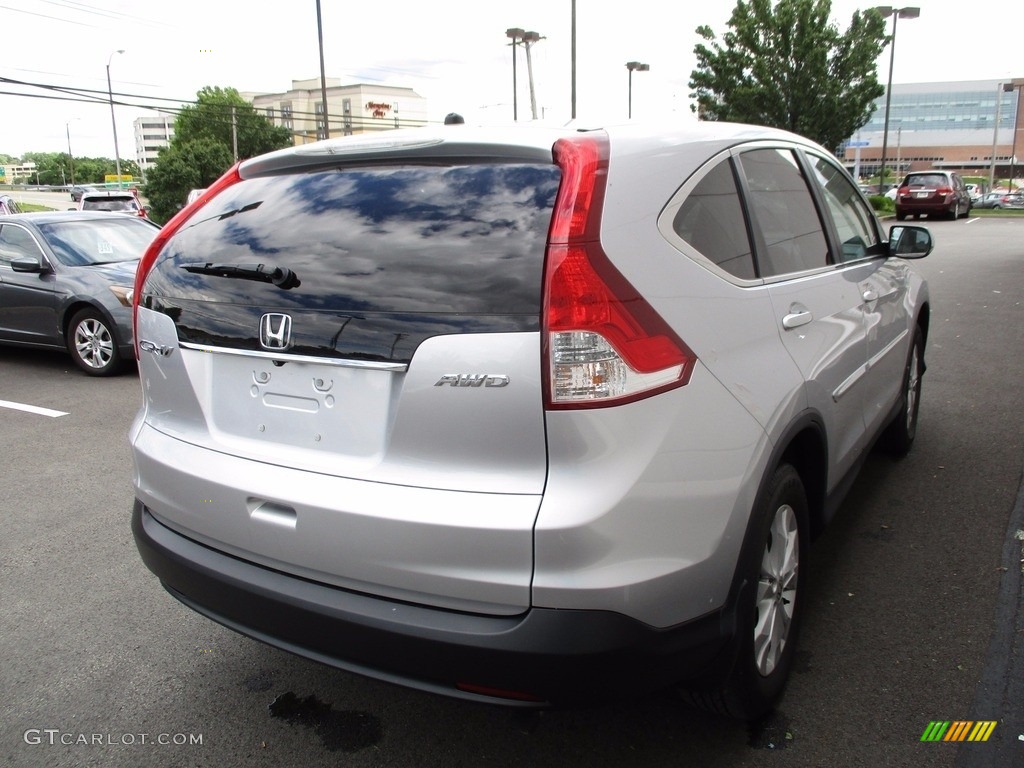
(84, 243)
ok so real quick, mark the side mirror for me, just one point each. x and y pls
(26, 264)
(910, 242)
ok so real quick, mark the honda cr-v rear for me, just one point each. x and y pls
(533, 416)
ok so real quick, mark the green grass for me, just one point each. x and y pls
(33, 208)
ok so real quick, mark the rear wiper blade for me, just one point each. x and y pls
(282, 277)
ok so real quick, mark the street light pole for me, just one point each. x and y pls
(638, 67)
(71, 157)
(995, 138)
(896, 13)
(113, 122)
(529, 38)
(1010, 87)
(515, 34)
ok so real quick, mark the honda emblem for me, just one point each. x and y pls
(275, 331)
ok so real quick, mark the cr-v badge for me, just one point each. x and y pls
(275, 331)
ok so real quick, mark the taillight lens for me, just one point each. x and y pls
(231, 176)
(604, 343)
(903, 191)
(944, 191)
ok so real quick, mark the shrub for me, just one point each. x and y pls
(882, 204)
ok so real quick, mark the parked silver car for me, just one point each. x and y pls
(521, 415)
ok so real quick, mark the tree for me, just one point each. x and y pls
(789, 67)
(203, 147)
(221, 114)
(181, 167)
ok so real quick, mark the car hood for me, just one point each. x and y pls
(119, 271)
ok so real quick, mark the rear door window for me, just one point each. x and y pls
(783, 213)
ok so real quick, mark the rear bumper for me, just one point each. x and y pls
(924, 208)
(540, 657)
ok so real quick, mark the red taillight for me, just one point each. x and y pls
(903, 191)
(944, 191)
(231, 176)
(604, 343)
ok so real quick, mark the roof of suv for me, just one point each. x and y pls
(449, 141)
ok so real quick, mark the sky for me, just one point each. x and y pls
(454, 53)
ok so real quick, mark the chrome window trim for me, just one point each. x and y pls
(366, 365)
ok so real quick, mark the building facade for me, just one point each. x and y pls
(351, 109)
(151, 134)
(957, 126)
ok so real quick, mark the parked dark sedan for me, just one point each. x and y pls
(1002, 200)
(66, 280)
(78, 190)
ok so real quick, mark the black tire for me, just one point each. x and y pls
(758, 667)
(900, 216)
(954, 212)
(93, 344)
(898, 437)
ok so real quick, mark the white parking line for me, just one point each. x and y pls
(31, 409)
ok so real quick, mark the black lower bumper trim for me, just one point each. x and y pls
(541, 657)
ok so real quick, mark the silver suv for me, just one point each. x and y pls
(521, 415)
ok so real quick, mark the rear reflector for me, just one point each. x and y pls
(499, 693)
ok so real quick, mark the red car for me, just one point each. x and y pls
(933, 193)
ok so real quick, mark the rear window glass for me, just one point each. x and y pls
(928, 180)
(368, 262)
(465, 239)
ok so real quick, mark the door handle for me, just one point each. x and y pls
(797, 316)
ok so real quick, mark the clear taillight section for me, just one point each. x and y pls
(604, 343)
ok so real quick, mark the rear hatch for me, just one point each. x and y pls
(374, 321)
(925, 189)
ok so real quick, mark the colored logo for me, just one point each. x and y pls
(958, 730)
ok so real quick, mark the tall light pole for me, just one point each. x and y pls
(515, 34)
(529, 38)
(326, 133)
(113, 122)
(634, 66)
(995, 137)
(572, 62)
(71, 157)
(1014, 85)
(896, 13)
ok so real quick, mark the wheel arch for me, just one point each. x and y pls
(805, 447)
(74, 306)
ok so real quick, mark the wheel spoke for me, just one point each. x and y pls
(776, 589)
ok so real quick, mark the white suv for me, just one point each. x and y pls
(521, 415)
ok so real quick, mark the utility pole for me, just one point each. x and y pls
(234, 133)
(529, 38)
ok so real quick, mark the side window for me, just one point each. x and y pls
(783, 211)
(853, 220)
(711, 220)
(15, 242)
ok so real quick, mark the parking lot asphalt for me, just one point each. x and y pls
(914, 599)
